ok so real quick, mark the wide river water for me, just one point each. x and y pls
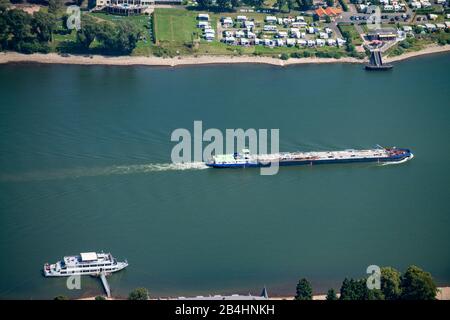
(85, 166)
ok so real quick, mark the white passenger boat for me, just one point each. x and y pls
(87, 263)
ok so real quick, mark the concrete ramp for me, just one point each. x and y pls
(105, 284)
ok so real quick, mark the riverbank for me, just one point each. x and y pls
(428, 50)
(53, 58)
(443, 294)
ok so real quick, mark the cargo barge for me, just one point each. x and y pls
(248, 160)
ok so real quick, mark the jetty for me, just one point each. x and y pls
(105, 284)
(376, 61)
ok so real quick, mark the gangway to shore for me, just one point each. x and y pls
(376, 61)
(105, 284)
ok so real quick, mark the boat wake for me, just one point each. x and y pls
(398, 162)
(102, 171)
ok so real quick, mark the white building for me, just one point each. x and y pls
(203, 24)
(239, 34)
(302, 43)
(299, 24)
(416, 5)
(227, 22)
(203, 17)
(340, 42)
(271, 19)
(407, 28)
(279, 42)
(268, 43)
(430, 26)
(290, 42)
(320, 42)
(249, 24)
(269, 27)
(244, 42)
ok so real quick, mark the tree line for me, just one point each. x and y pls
(414, 284)
(26, 33)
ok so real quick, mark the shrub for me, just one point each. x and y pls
(138, 294)
(284, 56)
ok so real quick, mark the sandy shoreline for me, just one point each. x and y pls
(443, 294)
(53, 58)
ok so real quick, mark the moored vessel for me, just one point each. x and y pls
(246, 159)
(87, 263)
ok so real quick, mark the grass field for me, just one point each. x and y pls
(174, 25)
(356, 38)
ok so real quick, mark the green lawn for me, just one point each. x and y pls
(175, 25)
(356, 38)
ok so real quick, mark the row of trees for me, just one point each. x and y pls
(22, 32)
(414, 284)
(116, 38)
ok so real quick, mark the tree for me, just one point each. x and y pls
(138, 294)
(390, 283)
(350, 290)
(253, 3)
(330, 3)
(304, 4)
(280, 4)
(290, 4)
(120, 39)
(43, 25)
(4, 28)
(19, 25)
(127, 37)
(357, 290)
(331, 295)
(4, 4)
(204, 3)
(223, 4)
(304, 290)
(87, 33)
(60, 298)
(54, 5)
(417, 284)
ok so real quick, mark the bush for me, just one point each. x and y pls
(100, 298)
(160, 51)
(284, 56)
(138, 294)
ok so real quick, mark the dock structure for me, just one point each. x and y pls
(105, 284)
(376, 61)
